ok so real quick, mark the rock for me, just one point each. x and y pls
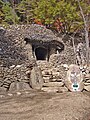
(56, 74)
(2, 31)
(46, 72)
(65, 66)
(10, 94)
(18, 66)
(36, 79)
(87, 88)
(26, 86)
(53, 80)
(14, 86)
(3, 89)
(12, 66)
(60, 80)
(1, 82)
(18, 93)
(87, 77)
(46, 77)
(18, 86)
(86, 83)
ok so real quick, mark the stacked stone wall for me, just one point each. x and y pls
(15, 73)
(16, 67)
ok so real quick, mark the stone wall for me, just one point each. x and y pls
(16, 67)
(15, 73)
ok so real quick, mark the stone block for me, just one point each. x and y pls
(53, 84)
(18, 86)
(53, 80)
(46, 78)
(86, 83)
(36, 79)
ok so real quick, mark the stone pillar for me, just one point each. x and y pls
(36, 79)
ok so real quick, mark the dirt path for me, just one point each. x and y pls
(46, 106)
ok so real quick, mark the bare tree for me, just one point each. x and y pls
(86, 32)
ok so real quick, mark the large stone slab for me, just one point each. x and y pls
(74, 78)
(36, 79)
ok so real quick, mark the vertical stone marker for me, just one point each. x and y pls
(74, 78)
(36, 79)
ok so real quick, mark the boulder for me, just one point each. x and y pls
(3, 90)
(18, 86)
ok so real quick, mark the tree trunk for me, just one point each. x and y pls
(86, 33)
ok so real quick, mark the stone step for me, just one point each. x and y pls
(54, 89)
(87, 81)
(8, 81)
(86, 84)
(5, 86)
(44, 64)
(53, 84)
(46, 72)
(46, 77)
(56, 80)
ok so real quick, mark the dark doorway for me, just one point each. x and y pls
(41, 53)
